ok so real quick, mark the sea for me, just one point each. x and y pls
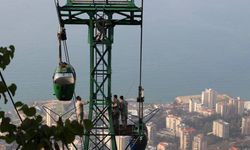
(187, 46)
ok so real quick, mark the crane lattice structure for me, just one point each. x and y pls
(101, 16)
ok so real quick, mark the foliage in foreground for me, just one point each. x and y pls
(6, 54)
(32, 133)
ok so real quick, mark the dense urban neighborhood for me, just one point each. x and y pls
(208, 121)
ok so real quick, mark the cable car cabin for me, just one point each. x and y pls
(64, 82)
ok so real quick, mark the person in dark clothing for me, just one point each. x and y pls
(123, 111)
(116, 113)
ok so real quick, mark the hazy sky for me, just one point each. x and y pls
(189, 45)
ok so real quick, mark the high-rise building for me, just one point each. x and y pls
(193, 105)
(245, 125)
(172, 123)
(198, 107)
(209, 98)
(236, 106)
(221, 128)
(240, 106)
(222, 108)
(199, 142)
(186, 138)
(233, 106)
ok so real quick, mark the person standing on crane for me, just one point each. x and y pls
(116, 113)
(80, 109)
(124, 111)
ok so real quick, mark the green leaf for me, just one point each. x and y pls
(58, 131)
(1, 49)
(11, 128)
(9, 138)
(18, 104)
(46, 131)
(24, 108)
(2, 87)
(6, 55)
(12, 51)
(76, 128)
(59, 122)
(2, 114)
(30, 112)
(19, 138)
(6, 59)
(12, 47)
(4, 127)
(68, 136)
(26, 124)
(39, 119)
(88, 125)
(12, 89)
(67, 122)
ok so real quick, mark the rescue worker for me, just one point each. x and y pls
(116, 113)
(80, 109)
(124, 111)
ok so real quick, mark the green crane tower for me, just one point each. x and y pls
(101, 16)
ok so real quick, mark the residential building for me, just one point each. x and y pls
(245, 125)
(199, 142)
(172, 123)
(236, 106)
(240, 106)
(222, 108)
(193, 105)
(209, 98)
(221, 128)
(186, 138)
(198, 107)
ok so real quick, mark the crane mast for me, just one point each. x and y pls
(101, 17)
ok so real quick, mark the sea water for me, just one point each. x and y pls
(187, 46)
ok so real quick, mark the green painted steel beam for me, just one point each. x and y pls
(79, 14)
(96, 8)
(100, 107)
(86, 22)
(124, 3)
